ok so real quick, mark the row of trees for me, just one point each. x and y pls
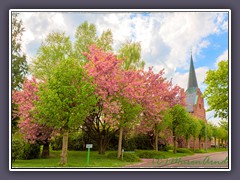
(85, 86)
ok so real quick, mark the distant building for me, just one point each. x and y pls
(194, 99)
(194, 105)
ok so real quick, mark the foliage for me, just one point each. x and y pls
(224, 124)
(115, 87)
(131, 55)
(17, 148)
(202, 129)
(86, 35)
(184, 150)
(200, 151)
(169, 147)
(30, 128)
(216, 92)
(76, 142)
(128, 157)
(19, 63)
(54, 49)
(178, 120)
(30, 151)
(195, 127)
(67, 97)
(150, 154)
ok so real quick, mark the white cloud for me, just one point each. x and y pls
(166, 37)
(223, 56)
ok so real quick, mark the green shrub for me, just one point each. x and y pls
(169, 147)
(56, 143)
(200, 151)
(76, 142)
(17, 148)
(128, 157)
(184, 150)
(129, 144)
(149, 154)
(30, 151)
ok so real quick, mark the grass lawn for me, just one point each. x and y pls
(216, 150)
(78, 159)
(75, 159)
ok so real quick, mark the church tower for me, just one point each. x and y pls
(194, 99)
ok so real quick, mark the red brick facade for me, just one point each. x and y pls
(198, 108)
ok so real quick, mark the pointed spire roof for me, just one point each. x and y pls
(192, 80)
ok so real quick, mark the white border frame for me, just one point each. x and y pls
(119, 10)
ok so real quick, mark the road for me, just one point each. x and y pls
(206, 160)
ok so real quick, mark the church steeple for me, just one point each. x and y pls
(192, 80)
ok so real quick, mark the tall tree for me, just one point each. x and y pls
(66, 99)
(19, 63)
(194, 129)
(179, 122)
(130, 52)
(30, 128)
(54, 49)
(214, 133)
(216, 92)
(115, 87)
(86, 35)
(158, 95)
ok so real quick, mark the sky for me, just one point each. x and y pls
(167, 38)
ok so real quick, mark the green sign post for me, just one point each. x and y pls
(88, 146)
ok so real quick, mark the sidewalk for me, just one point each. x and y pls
(155, 163)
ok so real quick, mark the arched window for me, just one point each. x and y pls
(200, 106)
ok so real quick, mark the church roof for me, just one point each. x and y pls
(192, 80)
(191, 92)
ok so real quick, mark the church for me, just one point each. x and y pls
(194, 105)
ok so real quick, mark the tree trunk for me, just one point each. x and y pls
(194, 143)
(120, 142)
(45, 151)
(64, 154)
(215, 142)
(174, 144)
(156, 137)
(187, 143)
(199, 140)
(101, 146)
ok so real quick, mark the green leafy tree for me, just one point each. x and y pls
(179, 122)
(66, 99)
(202, 131)
(130, 52)
(214, 133)
(194, 130)
(224, 124)
(19, 63)
(216, 92)
(55, 48)
(86, 35)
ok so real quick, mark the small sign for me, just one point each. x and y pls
(89, 145)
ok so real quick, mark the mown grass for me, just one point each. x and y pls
(78, 159)
(75, 159)
(217, 150)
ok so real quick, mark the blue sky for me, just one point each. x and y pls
(167, 38)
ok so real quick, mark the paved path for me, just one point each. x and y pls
(205, 160)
